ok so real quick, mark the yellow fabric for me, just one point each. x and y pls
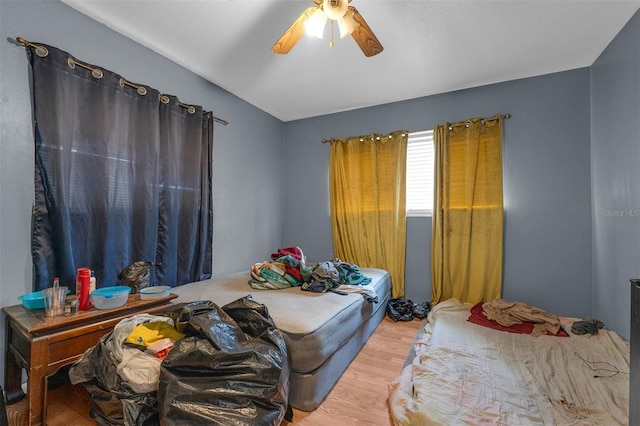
(148, 333)
(466, 252)
(368, 213)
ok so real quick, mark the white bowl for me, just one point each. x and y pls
(155, 292)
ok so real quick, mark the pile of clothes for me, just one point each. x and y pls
(508, 313)
(288, 268)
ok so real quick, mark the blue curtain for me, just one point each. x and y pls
(122, 174)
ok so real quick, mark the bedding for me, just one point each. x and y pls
(323, 331)
(469, 374)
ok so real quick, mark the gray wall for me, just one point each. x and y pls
(546, 183)
(247, 161)
(615, 176)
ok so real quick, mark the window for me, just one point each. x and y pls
(420, 161)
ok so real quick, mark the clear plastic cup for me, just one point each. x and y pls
(54, 300)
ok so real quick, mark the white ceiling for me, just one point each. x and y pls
(429, 46)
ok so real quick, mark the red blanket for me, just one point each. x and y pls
(477, 317)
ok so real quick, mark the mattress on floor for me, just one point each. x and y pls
(467, 374)
(315, 325)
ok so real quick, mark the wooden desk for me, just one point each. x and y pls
(43, 344)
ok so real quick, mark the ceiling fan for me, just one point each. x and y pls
(313, 19)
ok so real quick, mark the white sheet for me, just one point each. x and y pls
(466, 374)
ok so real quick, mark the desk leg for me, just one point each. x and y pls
(37, 382)
(12, 370)
(13, 379)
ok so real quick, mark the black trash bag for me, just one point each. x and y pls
(232, 368)
(421, 310)
(112, 401)
(136, 275)
(182, 313)
(400, 309)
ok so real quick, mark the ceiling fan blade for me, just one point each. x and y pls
(293, 33)
(362, 34)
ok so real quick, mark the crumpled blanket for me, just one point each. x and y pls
(508, 313)
(333, 273)
(285, 272)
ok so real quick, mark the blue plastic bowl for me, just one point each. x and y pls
(34, 300)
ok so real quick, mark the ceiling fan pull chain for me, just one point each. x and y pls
(331, 44)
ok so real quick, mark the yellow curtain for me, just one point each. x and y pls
(368, 214)
(466, 253)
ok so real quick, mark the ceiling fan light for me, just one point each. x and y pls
(346, 25)
(314, 25)
(335, 9)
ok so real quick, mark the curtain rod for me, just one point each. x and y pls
(97, 73)
(460, 123)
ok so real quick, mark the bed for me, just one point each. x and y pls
(323, 331)
(469, 374)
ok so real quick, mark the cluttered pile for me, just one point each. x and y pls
(288, 268)
(195, 364)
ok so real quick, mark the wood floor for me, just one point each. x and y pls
(359, 397)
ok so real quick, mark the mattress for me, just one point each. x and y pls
(323, 331)
(468, 374)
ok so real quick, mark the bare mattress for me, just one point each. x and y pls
(468, 374)
(323, 331)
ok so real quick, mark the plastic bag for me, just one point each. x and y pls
(136, 275)
(231, 369)
(112, 401)
(421, 310)
(400, 309)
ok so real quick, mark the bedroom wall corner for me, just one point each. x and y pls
(615, 181)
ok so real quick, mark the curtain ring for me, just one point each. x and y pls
(466, 124)
(42, 51)
(191, 109)
(450, 127)
(140, 89)
(97, 73)
(163, 98)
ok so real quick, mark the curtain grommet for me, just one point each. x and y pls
(42, 51)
